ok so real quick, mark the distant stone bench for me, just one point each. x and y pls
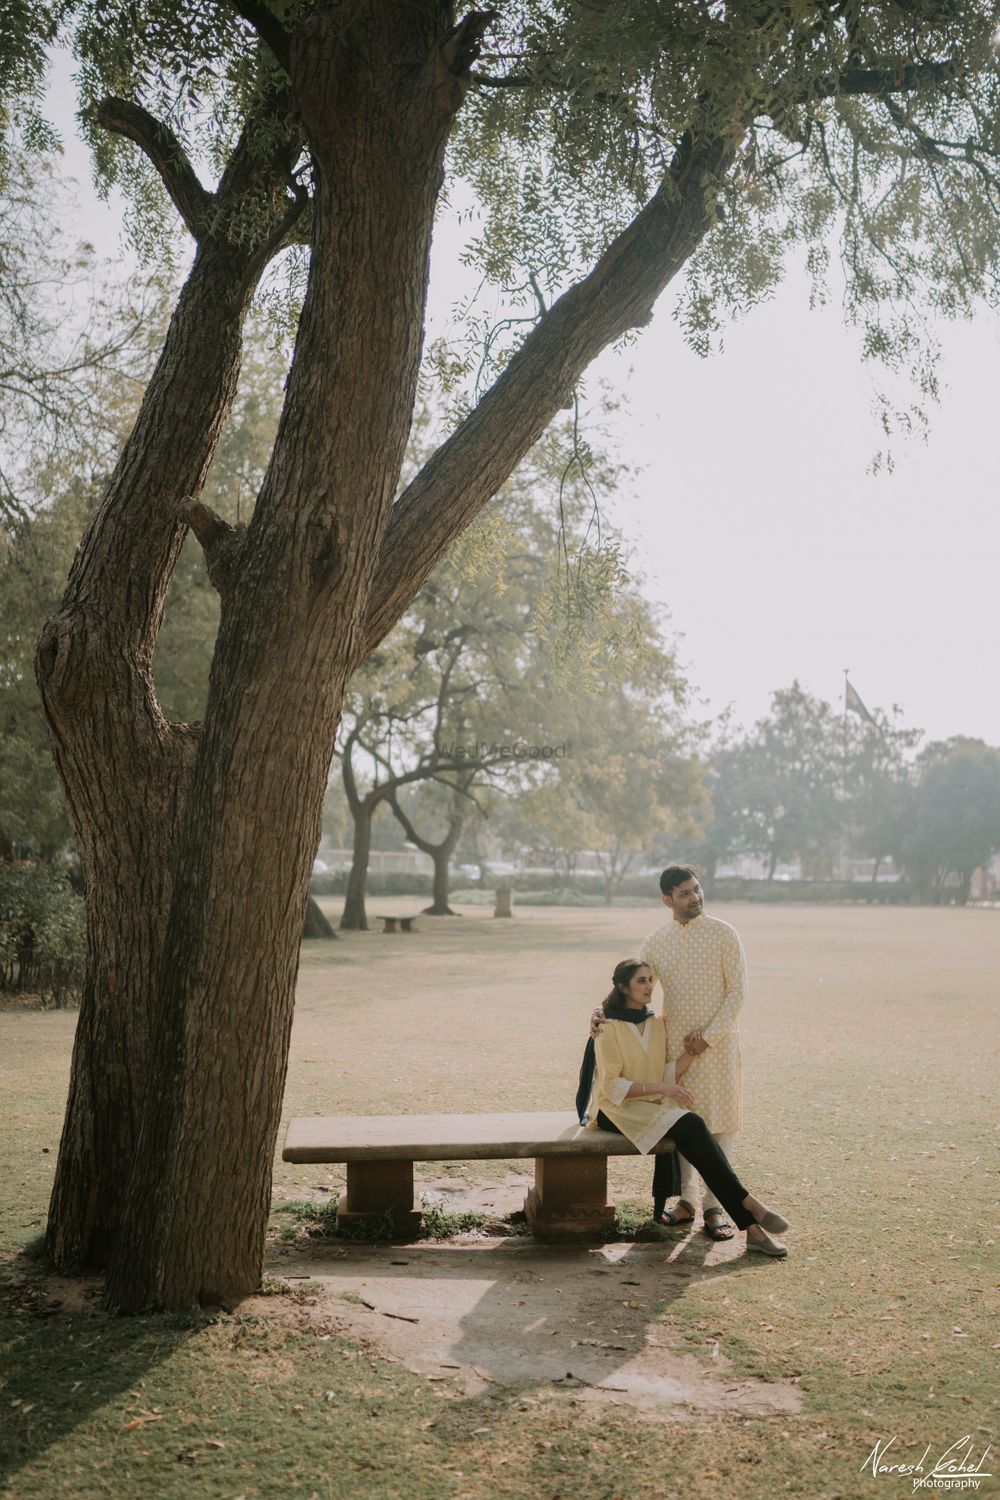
(405, 923)
(568, 1201)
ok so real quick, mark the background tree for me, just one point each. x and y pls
(878, 781)
(605, 146)
(776, 791)
(630, 775)
(71, 373)
(395, 724)
(516, 617)
(952, 823)
(72, 331)
(634, 779)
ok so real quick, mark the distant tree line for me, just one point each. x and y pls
(813, 784)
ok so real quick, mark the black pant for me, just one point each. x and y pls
(696, 1142)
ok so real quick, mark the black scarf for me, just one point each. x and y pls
(626, 1013)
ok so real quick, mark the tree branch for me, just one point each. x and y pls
(411, 833)
(267, 26)
(463, 43)
(219, 541)
(618, 294)
(880, 81)
(876, 81)
(193, 202)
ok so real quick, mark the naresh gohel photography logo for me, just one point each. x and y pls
(959, 1465)
(491, 750)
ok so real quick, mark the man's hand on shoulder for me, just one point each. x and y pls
(597, 1020)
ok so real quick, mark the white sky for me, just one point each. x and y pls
(755, 520)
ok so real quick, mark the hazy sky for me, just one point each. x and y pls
(754, 518)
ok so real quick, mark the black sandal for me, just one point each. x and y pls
(669, 1215)
(721, 1229)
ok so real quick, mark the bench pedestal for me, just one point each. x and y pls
(569, 1200)
(375, 1187)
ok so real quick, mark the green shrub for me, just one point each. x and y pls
(42, 934)
(437, 1223)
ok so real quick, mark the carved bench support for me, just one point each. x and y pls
(569, 1200)
(373, 1187)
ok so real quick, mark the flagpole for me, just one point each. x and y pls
(844, 762)
(843, 773)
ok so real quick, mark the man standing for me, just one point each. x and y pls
(700, 965)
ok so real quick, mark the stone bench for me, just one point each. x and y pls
(404, 923)
(569, 1199)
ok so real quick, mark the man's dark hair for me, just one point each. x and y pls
(676, 875)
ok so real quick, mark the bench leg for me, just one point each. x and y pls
(569, 1200)
(376, 1188)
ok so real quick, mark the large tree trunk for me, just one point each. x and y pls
(291, 616)
(126, 770)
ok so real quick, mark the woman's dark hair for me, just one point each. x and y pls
(624, 973)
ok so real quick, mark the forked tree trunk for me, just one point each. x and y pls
(125, 769)
(292, 610)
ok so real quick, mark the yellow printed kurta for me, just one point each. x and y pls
(702, 970)
(627, 1053)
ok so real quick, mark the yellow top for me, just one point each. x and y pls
(702, 970)
(628, 1053)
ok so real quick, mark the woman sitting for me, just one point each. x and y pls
(638, 1093)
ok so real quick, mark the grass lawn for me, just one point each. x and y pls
(870, 1056)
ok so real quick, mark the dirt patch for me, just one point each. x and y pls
(474, 1314)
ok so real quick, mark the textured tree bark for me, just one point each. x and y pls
(125, 769)
(193, 1227)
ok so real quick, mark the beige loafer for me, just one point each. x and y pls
(774, 1223)
(767, 1246)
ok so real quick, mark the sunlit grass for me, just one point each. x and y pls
(870, 1055)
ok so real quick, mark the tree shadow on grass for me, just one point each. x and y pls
(59, 1369)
